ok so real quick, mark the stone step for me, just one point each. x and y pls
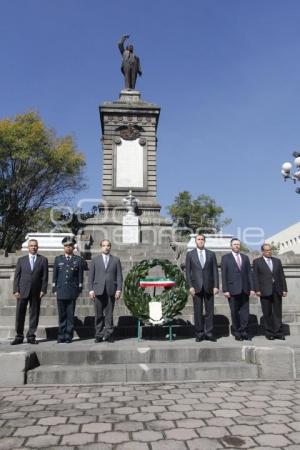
(51, 309)
(220, 305)
(294, 328)
(140, 373)
(103, 354)
(49, 331)
(85, 329)
(86, 308)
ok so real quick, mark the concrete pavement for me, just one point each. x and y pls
(260, 415)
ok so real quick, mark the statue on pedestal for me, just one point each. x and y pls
(130, 65)
(131, 203)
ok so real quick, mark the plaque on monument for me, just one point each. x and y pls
(129, 164)
(130, 229)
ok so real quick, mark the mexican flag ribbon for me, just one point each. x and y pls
(156, 282)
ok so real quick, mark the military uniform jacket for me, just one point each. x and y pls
(67, 277)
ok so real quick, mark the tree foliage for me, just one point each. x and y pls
(72, 221)
(37, 170)
(201, 214)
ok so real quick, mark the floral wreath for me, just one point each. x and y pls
(172, 299)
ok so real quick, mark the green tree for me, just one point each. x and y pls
(201, 214)
(37, 170)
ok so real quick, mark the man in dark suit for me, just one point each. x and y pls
(237, 285)
(30, 285)
(270, 286)
(105, 285)
(67, 284)
(131, 66)
(203, 281)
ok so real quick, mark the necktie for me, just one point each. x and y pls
(68, 258)
(201, 258)
(105, 261)
(32, 258)
(269, 261)
(238, 260)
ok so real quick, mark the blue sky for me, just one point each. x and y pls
(226, 74)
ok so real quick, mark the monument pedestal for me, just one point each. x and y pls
(131, 229)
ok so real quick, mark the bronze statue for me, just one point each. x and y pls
(130, 65)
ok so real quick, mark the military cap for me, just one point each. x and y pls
(68, 240)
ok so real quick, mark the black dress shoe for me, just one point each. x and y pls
(238, 338)
(109, 339)
(211, 338)
(32, 341)
(68, 341)
(16, 341)
(270, 337)
(98, 339)
(280, 336)
(199, 338)
(60, 341)
(246, 337)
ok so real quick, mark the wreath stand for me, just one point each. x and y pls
(140, 331)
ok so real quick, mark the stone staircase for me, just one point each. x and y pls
(126, 324)
(86, 362)
(154, 359)
(129, 256)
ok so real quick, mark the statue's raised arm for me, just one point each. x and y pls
(130, 63)
(121, 42)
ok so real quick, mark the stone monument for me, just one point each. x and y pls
(129, 143)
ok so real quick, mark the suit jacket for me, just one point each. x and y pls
(110, 278)
(31, 283)
(265, 280)
(208, 277)
(67, 277)
(234, 280)
(130, 60)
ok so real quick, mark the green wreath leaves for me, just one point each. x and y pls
(173, 299)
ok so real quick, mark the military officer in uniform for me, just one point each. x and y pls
(67, 284)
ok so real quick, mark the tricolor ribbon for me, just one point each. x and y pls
(156, 282)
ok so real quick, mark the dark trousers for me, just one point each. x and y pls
(203, 327)
(130, 77)
(104, 308)
(34, 314)
(239, 308)
(66, 310)
(272, 312)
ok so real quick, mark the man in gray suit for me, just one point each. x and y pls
(30, 285)
(203, 280)
(105, 285)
